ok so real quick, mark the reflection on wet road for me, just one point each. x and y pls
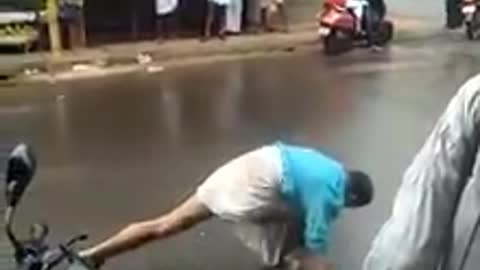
(126, 148)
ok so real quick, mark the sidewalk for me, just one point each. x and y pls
(127, 54)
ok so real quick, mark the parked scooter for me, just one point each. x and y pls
(341, 30)
(472, 18)
(35, 253)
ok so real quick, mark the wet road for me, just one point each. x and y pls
(126, 148)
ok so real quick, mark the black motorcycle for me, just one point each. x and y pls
(34, 253)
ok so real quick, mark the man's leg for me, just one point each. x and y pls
(164, 25)
(82, 29)
(453, 13)
(222, 21)
(172, 24)
(159, 27)
(185, 216)
(417, 233)
(209, 20)
(265, 15)
(368, 24)
(282, 13)
(263, 18)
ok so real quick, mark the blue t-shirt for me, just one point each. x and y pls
(314, 185)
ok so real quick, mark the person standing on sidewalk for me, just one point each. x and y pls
(269, 8)
(216, 12)
(234, 14)
(445, 170)
(454, 14)
(166, 18)
(72, 20)
(283, 197)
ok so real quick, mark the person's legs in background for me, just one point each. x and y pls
(234, 17)
(215, 12)
(77, 30)
(172, 24)
(222, 21)
(282, 13)
(454, 15)
(160, 27)
(367, 25)
(72, 23)
(265, 15)
(370, 23)
(166, 25)
(207, 33)
(253, 16)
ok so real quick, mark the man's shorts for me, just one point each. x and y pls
(246, 191)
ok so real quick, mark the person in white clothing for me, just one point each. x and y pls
(234, 17)
(270, 7)
(358, 7)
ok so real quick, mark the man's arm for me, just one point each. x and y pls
(315, 234)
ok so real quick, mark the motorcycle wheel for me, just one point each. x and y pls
(385, 33)
(337, 42)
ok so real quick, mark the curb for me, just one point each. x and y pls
(127, 55)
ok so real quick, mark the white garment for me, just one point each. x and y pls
(164, 7)
(221, 2)
(246, 191)
(358, 7)
(245, 187)
(234, 16)
(444, 172)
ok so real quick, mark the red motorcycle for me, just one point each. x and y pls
(341, 30)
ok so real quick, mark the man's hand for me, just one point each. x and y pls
(315, 263)
(304, 260)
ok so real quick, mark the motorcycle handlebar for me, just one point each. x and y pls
(65, 251)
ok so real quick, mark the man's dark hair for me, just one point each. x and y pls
(359, 190)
